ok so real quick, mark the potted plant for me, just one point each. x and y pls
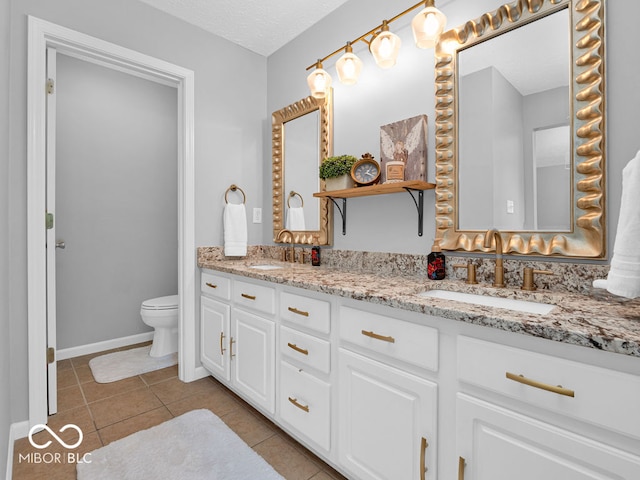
(336, 172)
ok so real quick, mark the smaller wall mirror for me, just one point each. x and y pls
(302, 136)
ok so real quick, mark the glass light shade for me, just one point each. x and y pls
(319, 82)
(349, 67)
(427, 27)
(385, 48)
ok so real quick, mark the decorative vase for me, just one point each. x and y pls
(338, 183)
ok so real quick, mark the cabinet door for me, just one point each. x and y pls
(387, 421)
(499, 444)
(214, 337)
(252, 349)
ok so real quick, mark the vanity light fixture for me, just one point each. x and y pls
(428, 25)
(319, 82)
(348, 66)
(384, 46)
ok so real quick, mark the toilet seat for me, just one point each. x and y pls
(169, 302)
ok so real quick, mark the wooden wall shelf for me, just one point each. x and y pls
(383, 189)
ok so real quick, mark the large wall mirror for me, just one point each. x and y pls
(302, 136)
(520, 129)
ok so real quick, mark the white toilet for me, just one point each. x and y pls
(162, 314)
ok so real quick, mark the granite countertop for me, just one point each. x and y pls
(598, 320)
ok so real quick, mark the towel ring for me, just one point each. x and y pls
(293, 194)
(233, 188)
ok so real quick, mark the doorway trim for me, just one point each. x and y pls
(43, 34)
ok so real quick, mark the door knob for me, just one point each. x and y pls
(60, 244)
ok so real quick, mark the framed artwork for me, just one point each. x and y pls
(405, 141)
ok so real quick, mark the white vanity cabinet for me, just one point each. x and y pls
(497, 441)
(304, 403)
(387, 417)
(238, 337)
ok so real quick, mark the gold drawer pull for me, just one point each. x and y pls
(298, 349)
(231, 354)
(211, 285)
(299, 405)
(461, 465)
(247, 296)
(544, 386)
(298, 312)
(379, 337)
(221, 340)
(423, 453)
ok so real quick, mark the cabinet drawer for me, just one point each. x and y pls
(596, 395)
(411, 343)
(215, 285)
(305, 404)
(309, 312)
(258, 297)
(306, 349)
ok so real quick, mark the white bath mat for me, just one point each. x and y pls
(128, 363)
(194, 446)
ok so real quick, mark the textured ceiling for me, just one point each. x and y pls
(262, 26)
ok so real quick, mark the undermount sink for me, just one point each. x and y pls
(266, 267)
(525, 306)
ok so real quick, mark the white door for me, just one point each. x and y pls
(387, 421)
(214, 337)
(52, 241)
(252, 351)
(498, 444)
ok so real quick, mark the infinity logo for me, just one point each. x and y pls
(60, 441)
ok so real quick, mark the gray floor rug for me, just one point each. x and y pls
(194, 446)
(128, 363)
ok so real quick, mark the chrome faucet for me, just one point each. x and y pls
(279, 238)
(498, 280)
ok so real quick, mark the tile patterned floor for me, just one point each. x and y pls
(108, 412)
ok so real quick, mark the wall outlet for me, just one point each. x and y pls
(257, 215)
(511, 206)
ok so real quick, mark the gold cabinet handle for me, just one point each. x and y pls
(461, 465)
(231, 342)
(299, 405)
(298, 349)
(211, 285)
(247, 296)
(378, 337)
(298, 312)
(423, 453)
(221, 341)
(544, 386)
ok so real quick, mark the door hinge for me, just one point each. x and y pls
(51, 355)
(49, 221)
(50, 85)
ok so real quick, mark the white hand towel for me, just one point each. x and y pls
(295, 219)
(624, 274)
(235, 230)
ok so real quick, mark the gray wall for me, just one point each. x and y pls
(116, 200)
(387, 223)
(229, 124)
(5, 325)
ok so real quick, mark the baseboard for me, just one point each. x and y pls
(102, 346)
(16, 431)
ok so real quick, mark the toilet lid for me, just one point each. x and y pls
(161, 303)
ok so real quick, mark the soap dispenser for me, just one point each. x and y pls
(436, 262)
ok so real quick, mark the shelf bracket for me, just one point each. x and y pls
(343, 213)
(419, 206)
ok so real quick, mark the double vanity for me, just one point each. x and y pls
(398, 377)
(387, 375)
